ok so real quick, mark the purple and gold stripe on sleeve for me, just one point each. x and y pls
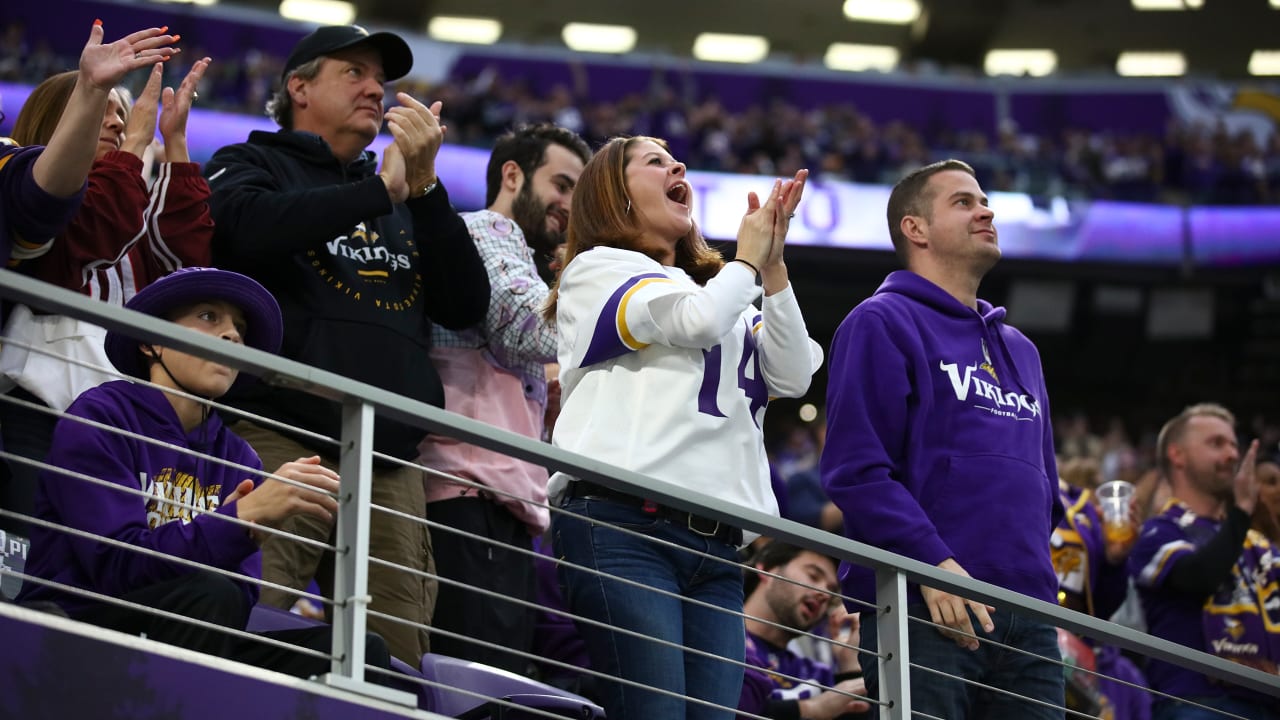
(1157, 569)
(612, 338)
(756, 323)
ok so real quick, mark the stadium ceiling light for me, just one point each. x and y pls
(1169, 4)
(893, 12)
(1151, 64)
(593, 37)
(1036, 63)
(202, 3)
(858, 58)
(324, 12)
(458, 29)
(722, 47)
(1264, 62)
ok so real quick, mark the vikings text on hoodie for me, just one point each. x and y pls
(360, 280)
(939, 443)
(166, 475)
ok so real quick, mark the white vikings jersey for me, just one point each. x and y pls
(670, 379)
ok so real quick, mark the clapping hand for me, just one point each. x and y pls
(176, 108)
(141, 128)
(104, 66)
(418, 133)
(792, 191)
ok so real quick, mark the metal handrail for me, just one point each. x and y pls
(362, 401)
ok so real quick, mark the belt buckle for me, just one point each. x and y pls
(689, 521)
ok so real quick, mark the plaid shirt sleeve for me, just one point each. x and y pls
(514, 331)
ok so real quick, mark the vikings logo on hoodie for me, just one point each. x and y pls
(177, 495)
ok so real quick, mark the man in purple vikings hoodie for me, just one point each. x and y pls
(179, 500)
(1206, 580)
(939, 448)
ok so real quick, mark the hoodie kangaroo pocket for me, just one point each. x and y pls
(993, 511)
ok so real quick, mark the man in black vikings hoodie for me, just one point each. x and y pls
(363, 260)
(939, 448)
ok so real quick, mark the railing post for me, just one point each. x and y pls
(351, 565)
(891, 629)
(351, 571)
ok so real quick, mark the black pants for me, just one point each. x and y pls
(27, 433)
(219, 600)
(492, 567)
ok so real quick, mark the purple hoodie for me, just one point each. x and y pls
(164, 473)
(763, 682)
(938, 439)
(29, 216)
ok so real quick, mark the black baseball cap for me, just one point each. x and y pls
(397, 58)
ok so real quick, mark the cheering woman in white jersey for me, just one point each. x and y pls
(666, 368)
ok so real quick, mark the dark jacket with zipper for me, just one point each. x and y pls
(359, 279)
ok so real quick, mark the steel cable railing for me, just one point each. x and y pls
(362, 402)
(495, 596)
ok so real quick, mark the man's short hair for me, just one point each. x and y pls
(912, 196)
(280, 104)
(1176, 427)
(526, 146)
(772, 556)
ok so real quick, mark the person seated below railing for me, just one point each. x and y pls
(139, 502)
(123, 237)
(1092, 579)
(782, 684)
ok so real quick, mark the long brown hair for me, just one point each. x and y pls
(42, 110)
(602, 216)
(40, 114)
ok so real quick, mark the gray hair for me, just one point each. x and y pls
(280, 105)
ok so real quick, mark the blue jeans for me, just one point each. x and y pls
(1173, 710)
(1014, 672)
(619, 605)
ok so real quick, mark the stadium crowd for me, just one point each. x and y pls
(582, 306)
(1196, 162)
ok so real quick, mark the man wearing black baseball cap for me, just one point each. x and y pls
(364, 260)
(397, 59)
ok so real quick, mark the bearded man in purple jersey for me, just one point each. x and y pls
(1206, 580)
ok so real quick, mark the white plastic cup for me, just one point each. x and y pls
(1116, 499)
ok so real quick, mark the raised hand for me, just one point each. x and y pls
(104, 66)
(952, 611)
(792, 190)
(141, 128)
(755, 233)
(176, 108)
(417, 130)
(1245, 486)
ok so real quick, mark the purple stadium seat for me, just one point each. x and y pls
(492, 682)
(264, 618)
